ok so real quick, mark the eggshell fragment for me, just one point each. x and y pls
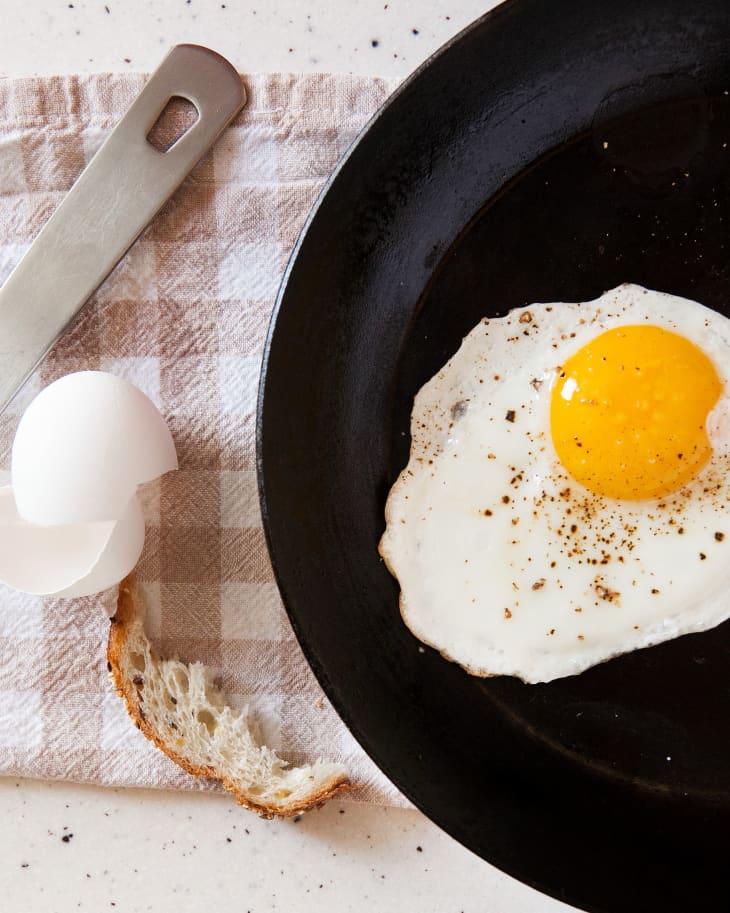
(75, 560)
(82, 447)
(43, 559)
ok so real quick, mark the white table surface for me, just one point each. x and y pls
(65, 847)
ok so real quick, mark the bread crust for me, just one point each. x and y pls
(119, 631)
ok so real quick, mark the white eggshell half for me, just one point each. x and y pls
(82, 447)
(42, 559)
(75, 560)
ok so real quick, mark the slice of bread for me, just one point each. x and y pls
(179, 708)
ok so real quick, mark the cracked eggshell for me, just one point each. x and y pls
(83, 446)
(76, 560)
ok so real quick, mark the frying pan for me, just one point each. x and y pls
(550, 152)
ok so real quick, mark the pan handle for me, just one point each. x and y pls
(123, 187)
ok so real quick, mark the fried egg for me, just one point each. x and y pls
(567, 495)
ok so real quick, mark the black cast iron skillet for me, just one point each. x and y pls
(551, 152)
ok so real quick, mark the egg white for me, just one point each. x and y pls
(506, 564)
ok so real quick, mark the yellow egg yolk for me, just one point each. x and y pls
(628, 412)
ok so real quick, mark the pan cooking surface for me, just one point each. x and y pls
(547, 155)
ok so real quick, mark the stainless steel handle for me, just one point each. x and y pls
(119, 192)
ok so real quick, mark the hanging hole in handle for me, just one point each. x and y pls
(176, 118)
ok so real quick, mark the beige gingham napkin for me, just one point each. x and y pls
(183, 317)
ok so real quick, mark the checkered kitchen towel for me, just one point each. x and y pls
(183, 317)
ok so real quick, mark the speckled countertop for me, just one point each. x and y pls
(371, 37)
(65, 847)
